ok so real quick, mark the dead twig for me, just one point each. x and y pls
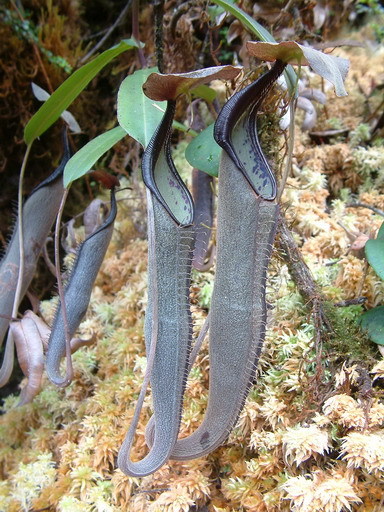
(116, 23)
(364, 205)
(306, 285)
(158, 12)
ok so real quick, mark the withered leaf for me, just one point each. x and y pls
(28, 334)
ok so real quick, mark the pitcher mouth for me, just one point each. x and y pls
(160, 174)
(236, 132)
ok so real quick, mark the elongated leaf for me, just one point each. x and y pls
(204, 153)
(43, 95)
(255, 28)
(83, 160)
(51, 110)
(137, 114)
(374, 251)
(247, 21)
(330, 67)
(215, 12)
(373, 322)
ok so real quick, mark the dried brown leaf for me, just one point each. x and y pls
(31, 335)
(28, 334)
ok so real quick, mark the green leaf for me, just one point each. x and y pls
(84, 159)
(182, 128)
(247, 21)
(255, 28)
(216, 10)
(51, 110)
(204, 92)
(373, 322)
(374, 251)
(204, 153)
(43, 95)
(380, 234)
(137, 114)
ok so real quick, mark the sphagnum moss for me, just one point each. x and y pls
(250, 479)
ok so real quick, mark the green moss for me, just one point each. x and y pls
(347, 339)
(31, 478)
(369, 164)
(204, 282)
(205, 294)
(70, 504)
(25, 29)
(360, 135)
(335, 123)
(268, 130)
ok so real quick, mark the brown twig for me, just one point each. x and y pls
(350, 302)
(178, 13)
(364, 205)
(135, 32)
(296, 265)
(47, 260)
(158, 11)
(306, 285)
(69, 369)
(284, 11)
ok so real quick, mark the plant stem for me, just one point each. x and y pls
(361, 285)
(297, 267)
(291, 142)
(135, 32)
(158, 10)
(69, 368)
(21, 234)
(364, 205)
(7, 364)
(307, 287)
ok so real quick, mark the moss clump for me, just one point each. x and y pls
(348, 341)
